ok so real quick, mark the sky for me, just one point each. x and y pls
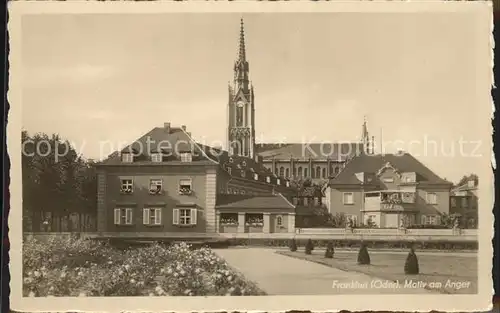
(418, 78)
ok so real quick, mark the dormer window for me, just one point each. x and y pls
(288, 184)
(186, 157)
(127, 157)
(244, 163)
(156, 157)
(268, 179)
(278, 181)
(230, 160)
(256, 176)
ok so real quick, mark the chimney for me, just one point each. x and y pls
(183, 127)
(166, 126)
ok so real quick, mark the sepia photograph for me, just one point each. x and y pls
(250, 157)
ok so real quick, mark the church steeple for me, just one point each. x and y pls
(241, 109)
(242, 52)
(241, 67)
(365, 139)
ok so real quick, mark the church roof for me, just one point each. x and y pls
(365, 163)
(315, 151)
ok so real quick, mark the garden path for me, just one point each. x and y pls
(281, 275)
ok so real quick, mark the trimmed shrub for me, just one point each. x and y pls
(309, 247)
(293, 245)
(363, 256)
(329, 250)
(411, 264)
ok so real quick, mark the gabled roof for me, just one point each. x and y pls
(373, 163)
(171, 141)
(225, 201)
(315, 151)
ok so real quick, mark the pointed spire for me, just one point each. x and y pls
(242, 54)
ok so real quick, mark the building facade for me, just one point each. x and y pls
(389, 191)
(464, 202)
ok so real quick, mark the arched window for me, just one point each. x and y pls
(276, 170)
(337, 170)
(313, 172)
(279, 220)
(305, 172)
(300, 171)
(331, 170)
(287, 173)
(294, 172)
(318, 172)
(282, 171)
(324, 172)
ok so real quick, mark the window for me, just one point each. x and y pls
(256, 176)
(278, 181)
(151, 216)
(287, 172)
(323, 173)
(287, 183)
(465, 202)
(156, 157)
(388, 180)
(431, 198)
(229, 170)
(279, 220)
(185, 187)
(268, 179)
(123, 216)
(282, 171)
(127, 158)
(318, 172)
(429, 219)
(294, 172)
(184, 217)
(276, 171)
(348, 197)
(127, 186)
(337, 170)
(155, 186)
(300, 171)
(331, 170)
(305, 172)
(186, 157)
(453, 202)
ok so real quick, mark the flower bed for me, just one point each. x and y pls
(70, 267)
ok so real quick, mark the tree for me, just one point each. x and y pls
(329, 250)
(309, 247)
(411, 264)
(56, 180)
(363, 256)
(293, 245)
(467, 178)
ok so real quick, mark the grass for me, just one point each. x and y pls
(434, 269)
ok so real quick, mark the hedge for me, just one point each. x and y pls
(356, 243)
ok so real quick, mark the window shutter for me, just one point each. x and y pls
(422, 219)
(175, 218)
(194, 214)
(157, 216)
(117, 216)
(128, 217)
(145, 216)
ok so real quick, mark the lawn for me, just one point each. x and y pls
(73, 267)
(438, 268)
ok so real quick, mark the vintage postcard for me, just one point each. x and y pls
(225, 156)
